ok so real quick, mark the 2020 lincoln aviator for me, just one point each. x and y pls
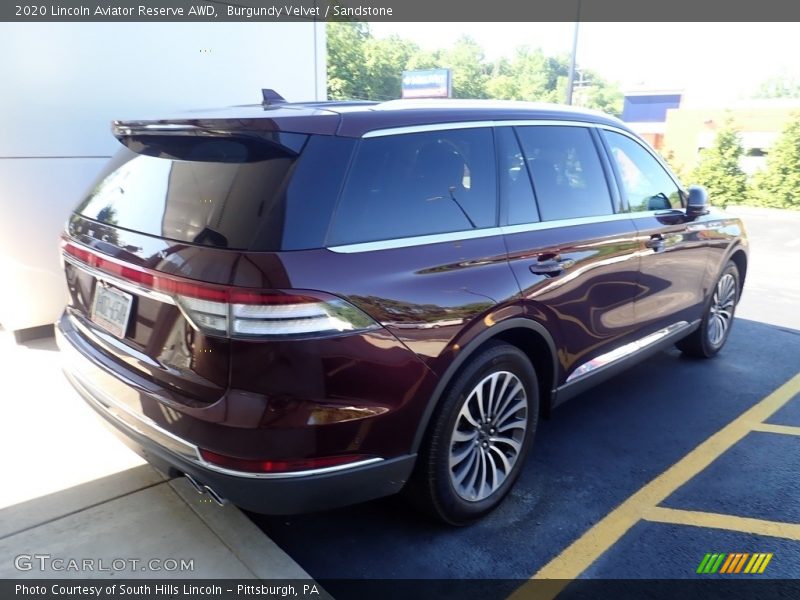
(305, 305)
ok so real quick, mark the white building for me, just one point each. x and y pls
(62, 84)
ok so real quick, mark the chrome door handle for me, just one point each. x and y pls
(551, 267)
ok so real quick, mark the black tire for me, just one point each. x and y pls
(433, 486)
(709, 339)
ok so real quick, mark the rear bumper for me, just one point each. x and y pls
(272, 493)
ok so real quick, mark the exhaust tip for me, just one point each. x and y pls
(195, 484)
(215, 496)
(203, 490)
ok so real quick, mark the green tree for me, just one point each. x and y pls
(719, 169)
(779, 184)
(529, 75)
(347, 72)
(782, 86)
(385, 59)
(468, 63)
(601, 95)
(363, 66)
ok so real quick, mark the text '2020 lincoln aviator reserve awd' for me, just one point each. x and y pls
(301, 306)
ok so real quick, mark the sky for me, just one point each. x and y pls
(712, 63)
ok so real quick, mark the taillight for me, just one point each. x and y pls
(280, 466)
(238, 312)
(245, 314)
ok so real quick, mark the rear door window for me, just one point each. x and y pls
(418, 184)
(568, 178)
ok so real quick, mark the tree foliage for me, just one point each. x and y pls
(782, 86)
(363, 66)
(779, 184)
(719, 170)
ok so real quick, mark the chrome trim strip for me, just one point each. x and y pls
(454, 236)
(122, 347)
(148, 428)
(559, 223)
(625, 351)
(473, 125)
(288, 474)
(128, 286)
(419, 240)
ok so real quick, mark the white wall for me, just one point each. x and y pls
(62, 83)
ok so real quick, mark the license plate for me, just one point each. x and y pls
(111, 309)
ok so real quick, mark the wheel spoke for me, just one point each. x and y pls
(464, 436)
(479, 397)
(490, 401)
(503, 458)
(501, 394)
(474, 472)
(492, 469)
(517, 446)
(466, 413)
(513, 425)
(510, 411)
(509, 398)
(457, 456)
(460, 473)
(483, 479)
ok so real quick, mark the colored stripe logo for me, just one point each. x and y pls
(734, 562)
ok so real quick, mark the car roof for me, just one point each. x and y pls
(356, 118)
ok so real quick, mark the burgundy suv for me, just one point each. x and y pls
(301, 306)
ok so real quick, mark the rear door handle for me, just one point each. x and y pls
(550, 265)
(656, 242)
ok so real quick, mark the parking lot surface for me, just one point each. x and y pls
(640, 477)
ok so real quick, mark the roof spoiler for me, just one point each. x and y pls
(270, 97)
(184, 140)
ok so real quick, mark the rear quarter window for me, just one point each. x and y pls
(418, 184)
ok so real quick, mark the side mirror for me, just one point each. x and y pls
(698, 202)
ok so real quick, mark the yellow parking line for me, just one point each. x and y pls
(577, 557)
(659, 514)
(782, 429)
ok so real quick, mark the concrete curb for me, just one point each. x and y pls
(248, 543)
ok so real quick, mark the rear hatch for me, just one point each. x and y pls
(156, 254)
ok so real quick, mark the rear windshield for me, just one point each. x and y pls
(227, 194)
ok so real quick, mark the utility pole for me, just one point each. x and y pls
(571, 79)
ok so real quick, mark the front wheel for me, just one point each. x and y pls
(717, 321)
(479, 436)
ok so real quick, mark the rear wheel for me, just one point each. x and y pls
(717, 321)
(479, 437)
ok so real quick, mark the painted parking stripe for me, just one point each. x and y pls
(772, 428)
(577, 557)
(674, 516)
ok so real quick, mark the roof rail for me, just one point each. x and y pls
(271, 97)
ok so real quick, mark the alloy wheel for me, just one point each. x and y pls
(488, 435)
(721, 310)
